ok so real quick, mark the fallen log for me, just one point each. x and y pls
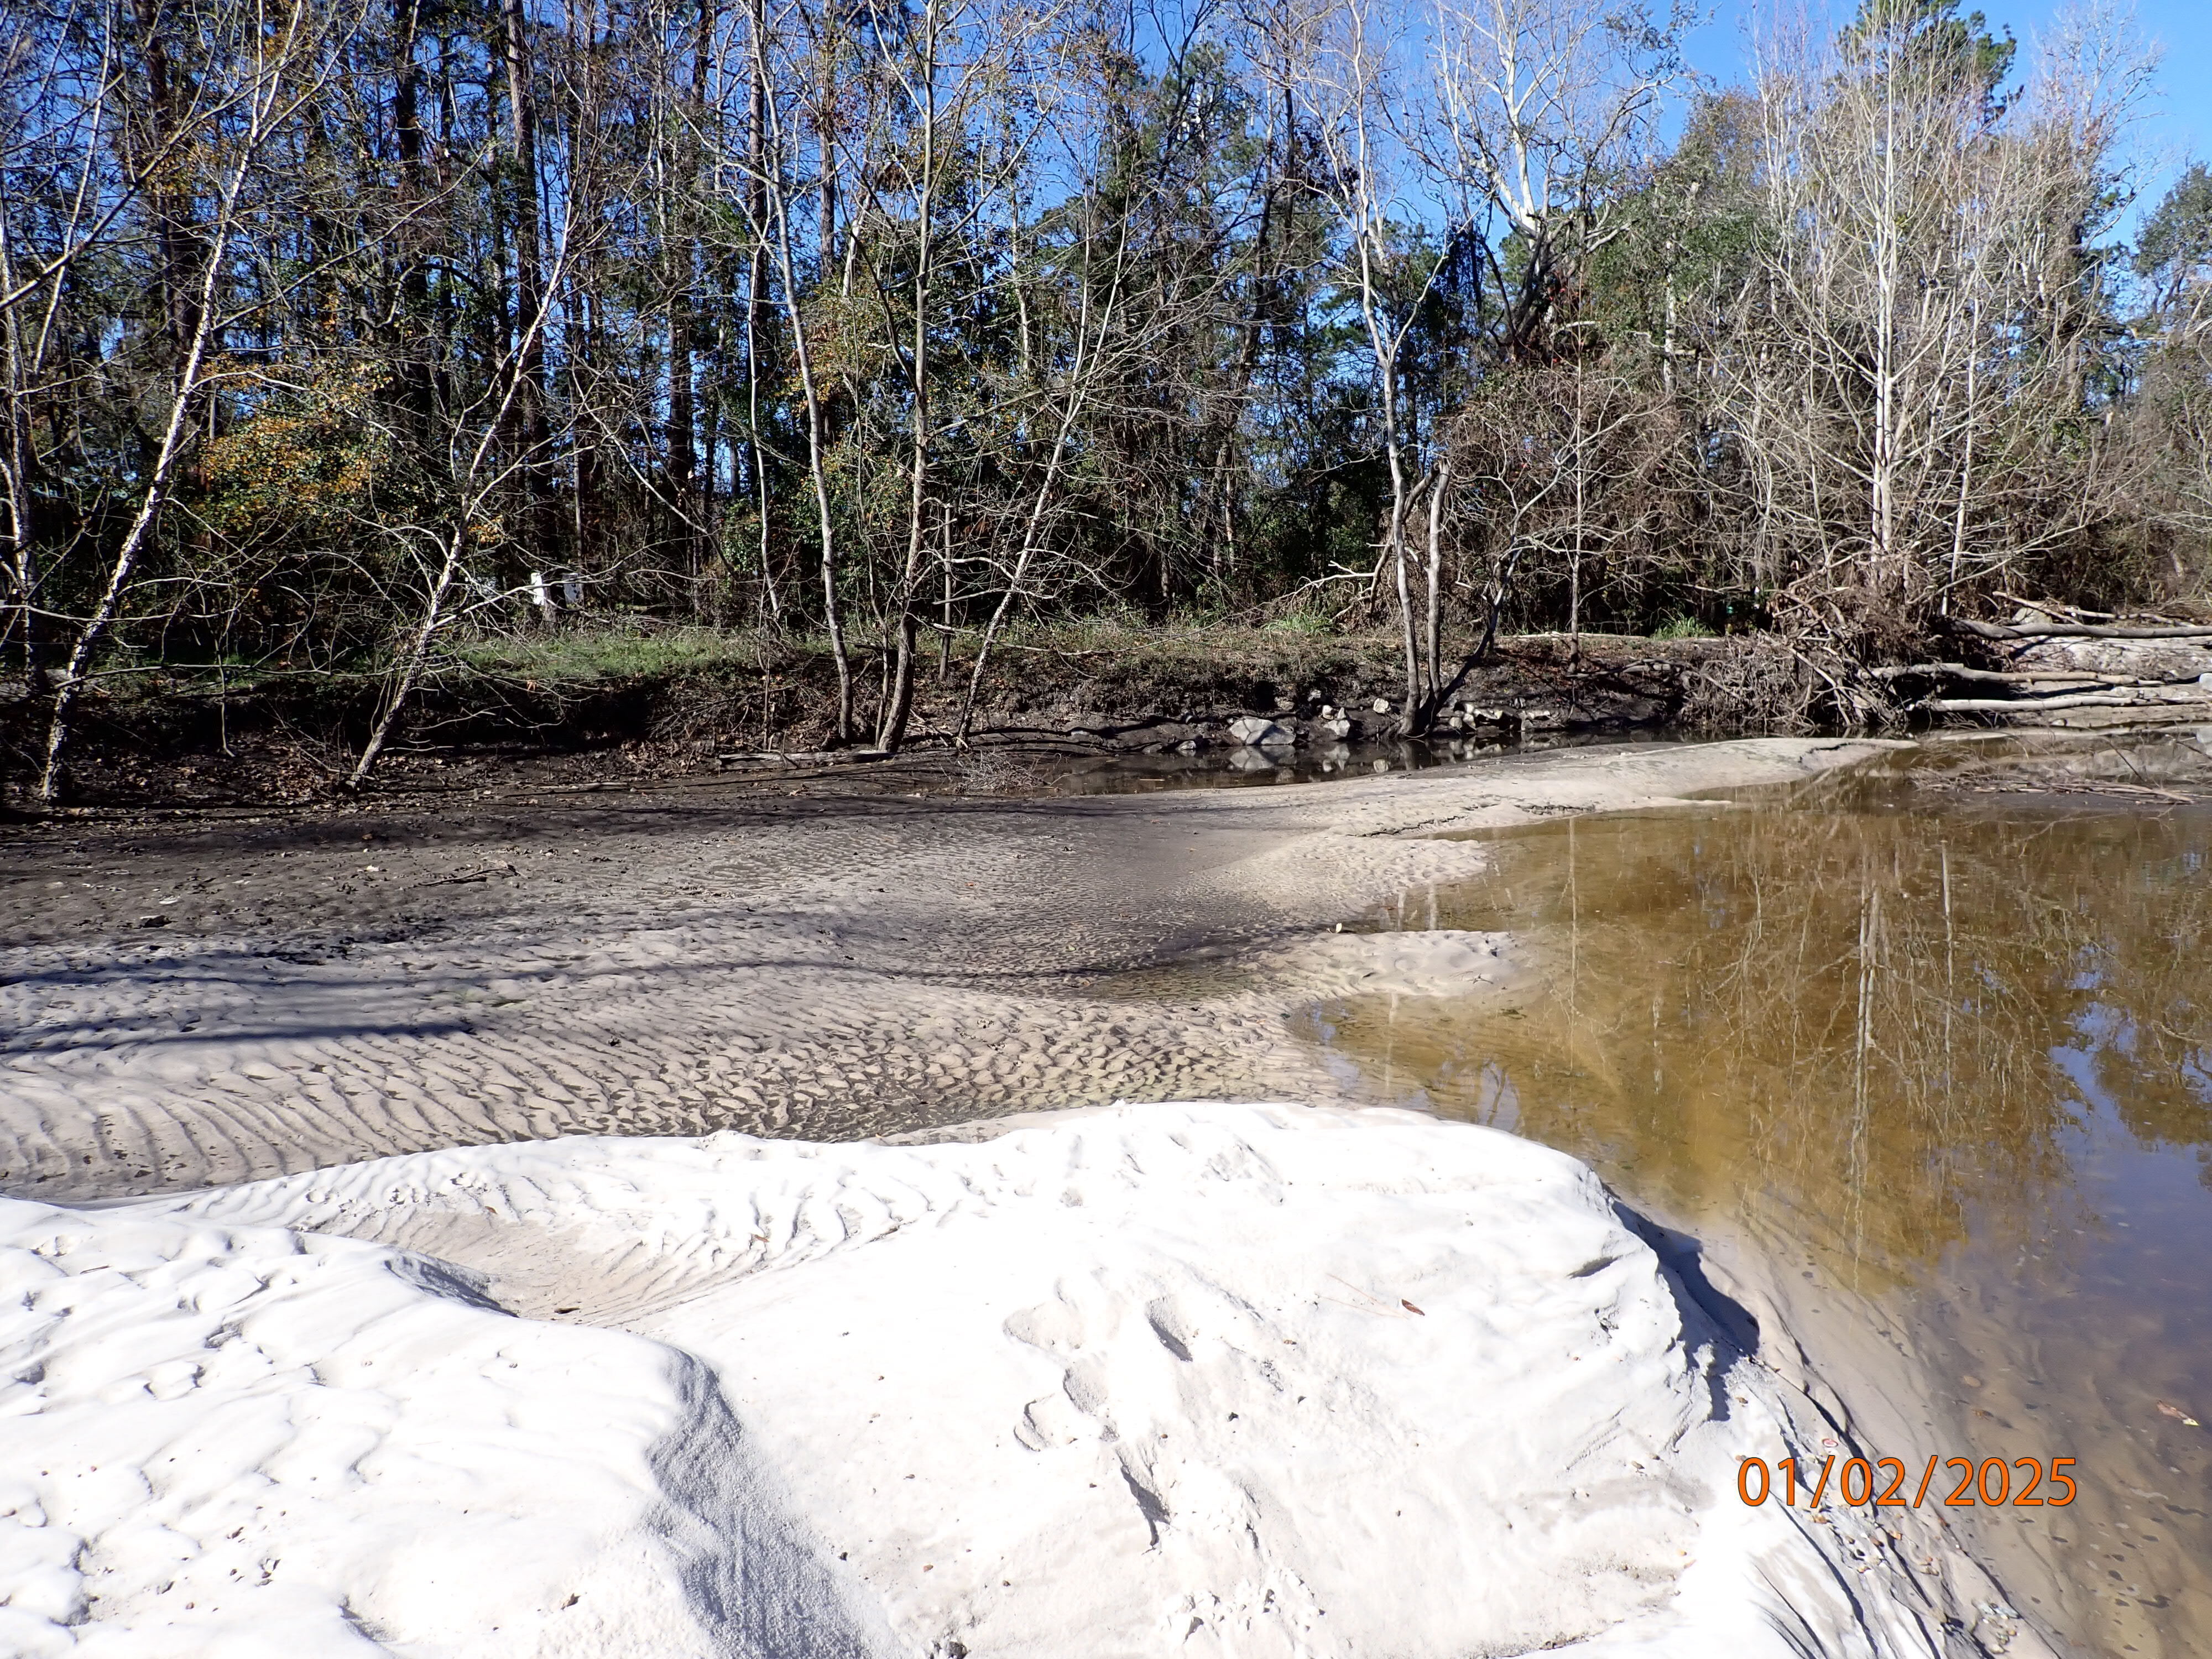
(1956, 671)
(2112, 699)
(2064, 612)
(2080, 631)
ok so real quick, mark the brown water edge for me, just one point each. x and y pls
(1944, 1066)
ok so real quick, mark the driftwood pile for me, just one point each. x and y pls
(2057, 656)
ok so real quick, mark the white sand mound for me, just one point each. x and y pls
(1194, 1379)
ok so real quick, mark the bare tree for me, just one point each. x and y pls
(1096, 325)
(759, 178)
(72, 171)
(1539, 112)
(1356, 120)
(436, 584)
(273, 62)
(1925, 278)
(950, 70)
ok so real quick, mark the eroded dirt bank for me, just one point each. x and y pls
(212, 1001)
(568, 710)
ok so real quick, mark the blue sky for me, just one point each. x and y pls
(2178, 129)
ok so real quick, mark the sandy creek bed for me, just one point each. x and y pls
(322, 993)
(389, 982)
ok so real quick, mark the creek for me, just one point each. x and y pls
(1940, 1062)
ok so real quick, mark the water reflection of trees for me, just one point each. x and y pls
(1854, 1011)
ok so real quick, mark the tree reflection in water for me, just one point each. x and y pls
(1956, 1053)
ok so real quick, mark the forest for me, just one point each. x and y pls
(339, 334)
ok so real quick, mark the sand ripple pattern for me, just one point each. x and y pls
(780, 970)
(211, 1066)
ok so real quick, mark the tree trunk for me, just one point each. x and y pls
(533, 438)
(898, 702)
(810, 388)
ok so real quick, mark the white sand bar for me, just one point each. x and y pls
(1164, 1379)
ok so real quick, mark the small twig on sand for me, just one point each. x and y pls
(1400, 1309)
(484, 873)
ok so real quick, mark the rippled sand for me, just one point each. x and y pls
(324, 991)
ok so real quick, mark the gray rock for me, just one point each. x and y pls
(1339, 727)
(1260, 732)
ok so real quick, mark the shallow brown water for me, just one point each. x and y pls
(1948, 1066)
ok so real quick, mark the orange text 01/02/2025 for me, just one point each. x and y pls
(1884, 1482)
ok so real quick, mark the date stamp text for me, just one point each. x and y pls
(1887, 1483)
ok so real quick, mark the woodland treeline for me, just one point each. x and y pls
(336, 333)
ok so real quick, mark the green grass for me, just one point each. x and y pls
(1297, 642)
(1682, 628)
(612, 653)
(1306, 622)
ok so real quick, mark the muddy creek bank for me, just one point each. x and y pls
(545, 717)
